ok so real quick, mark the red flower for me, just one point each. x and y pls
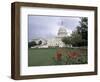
(58, 56)
(73, 54)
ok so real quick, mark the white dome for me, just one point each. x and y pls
(62, 29)
(62, 32)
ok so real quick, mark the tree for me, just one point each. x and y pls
(76, 39)
(40, 42)
(66, 40)
(82, 29)
(32, 43)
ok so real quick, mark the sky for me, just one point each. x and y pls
(48, 26)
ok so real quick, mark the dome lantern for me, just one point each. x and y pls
(62, 31)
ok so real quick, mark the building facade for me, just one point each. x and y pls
(55, 41)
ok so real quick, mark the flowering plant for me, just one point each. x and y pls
(73, 54)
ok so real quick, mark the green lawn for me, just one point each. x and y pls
(46, 56)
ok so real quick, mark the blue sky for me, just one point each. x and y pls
(47, 26)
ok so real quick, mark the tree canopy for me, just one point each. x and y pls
(32, 43)
(79, 35)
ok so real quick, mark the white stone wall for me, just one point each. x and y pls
(55, 42)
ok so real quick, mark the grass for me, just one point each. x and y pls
(46, 56)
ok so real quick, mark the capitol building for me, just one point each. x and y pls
(55, 41)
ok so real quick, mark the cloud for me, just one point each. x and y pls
(47, 26)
